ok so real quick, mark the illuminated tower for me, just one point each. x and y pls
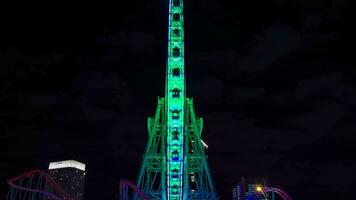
(174, 164)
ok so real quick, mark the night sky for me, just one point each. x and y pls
(273, 80)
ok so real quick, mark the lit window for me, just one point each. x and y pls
(176, 17)
(176, 52)
(175, 135)
(175, 93)
(176, 72)
(176, 3)
(176, 32)
(175, 114)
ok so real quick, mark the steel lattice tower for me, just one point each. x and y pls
(174, 164)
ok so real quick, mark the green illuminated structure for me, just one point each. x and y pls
(175, 165)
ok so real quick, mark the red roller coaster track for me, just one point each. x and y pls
(60, 193)
(280, 192)
(124, 184)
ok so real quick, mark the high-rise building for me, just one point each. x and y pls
(70, 175)
(247, 189)
(237, 192)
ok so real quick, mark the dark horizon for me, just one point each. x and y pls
(274, 82)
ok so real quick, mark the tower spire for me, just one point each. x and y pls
(175, 165)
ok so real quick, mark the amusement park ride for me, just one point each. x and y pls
(174, 165)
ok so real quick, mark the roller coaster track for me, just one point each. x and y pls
(124, 191)
(38, 186)
(278, 191)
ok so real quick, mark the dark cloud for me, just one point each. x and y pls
(8, 59)
(337, 9)
(268, 47)
(344, 175)
(243, 94)
(45, 59)
(209, 88)
(222, 63)
(112, 56)
(136, 43)
(311, 20)
(325, 85)
(311, 5)
(95, 87)
(212, 7)
(321, 121)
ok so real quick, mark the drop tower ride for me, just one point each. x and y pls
(174, 165)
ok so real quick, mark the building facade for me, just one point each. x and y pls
(70, 175)
(246, 189)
